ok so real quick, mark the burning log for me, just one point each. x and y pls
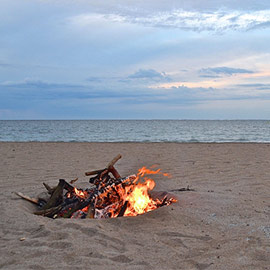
(111, 196)
(123, 209)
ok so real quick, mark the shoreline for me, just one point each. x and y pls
(132, 142)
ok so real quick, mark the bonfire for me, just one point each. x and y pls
(109, 195)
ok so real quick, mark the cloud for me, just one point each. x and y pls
(4, 65)
(49, 99)
(258, 86)
(261, 25)
(223, 71)
(42, 90)
(144, 76)
(37, 90)
(198, 94)
(94, 79)
(38, 84)
(149, 74)
(217, 21)
(209, 76)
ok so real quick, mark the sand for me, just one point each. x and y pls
(224, 224)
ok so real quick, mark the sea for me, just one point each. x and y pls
(182, 131)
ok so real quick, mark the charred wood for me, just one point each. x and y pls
(123, 209)
(49, 212)
(50, 189)
(57, 196)
(183, 189)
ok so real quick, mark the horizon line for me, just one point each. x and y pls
(140, 119)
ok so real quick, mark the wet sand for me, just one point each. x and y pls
(224, 224)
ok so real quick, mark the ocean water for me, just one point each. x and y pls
(135, 130)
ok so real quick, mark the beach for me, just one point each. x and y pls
(223, 224)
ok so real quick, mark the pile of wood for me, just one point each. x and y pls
(102, 200)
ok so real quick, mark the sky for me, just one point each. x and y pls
(150, 59)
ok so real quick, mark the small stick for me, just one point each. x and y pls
(29, 199)
(93, 172)
(114, 160)
(183, 189)
(74, 180)
(164, 201)
(50, 189)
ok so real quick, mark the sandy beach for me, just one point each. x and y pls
(223, 224)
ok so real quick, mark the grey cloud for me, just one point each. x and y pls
(209, 76)
(198, 94)
(260, 26)
(137, 94)
(149, 74)
(42, 90)
(252, 85)
(39, 92)
(258, 86)
(94, 79)
(5, 65)
(224, 71)
(141, 75)
(39, 84)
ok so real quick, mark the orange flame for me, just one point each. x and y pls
(134, 198)
(79, 193)
(138, 198)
